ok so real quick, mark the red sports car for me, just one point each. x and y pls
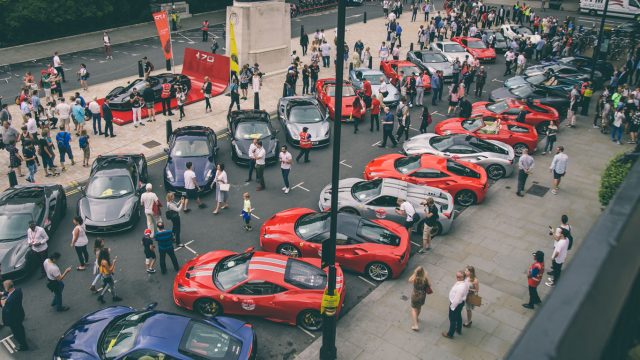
(378, 248)
(255, 283)
(538, 115)
(326, 90)
(392, 68)
(490, 127)
(476, 47)
(467, 182)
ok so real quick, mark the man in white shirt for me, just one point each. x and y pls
(406, 210)
(191, 187)
(285, 166)
(260, 156)
(57, 64)
(509, 57)
(147, 200)
(522, 61)
(383, 52)
(252, 158)
(558, 168)
(37, 239)
(32, 127)
(559, 256)
(457, 296)
(64, 112)
(55, 277)
(94, 108)
(525, 165)
(325, 50)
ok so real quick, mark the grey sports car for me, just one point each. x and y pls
(391, 100)
(432, 61)
(495, 156)
(297, 112)
(378, 199)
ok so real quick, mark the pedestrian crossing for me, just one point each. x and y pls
(9, 344)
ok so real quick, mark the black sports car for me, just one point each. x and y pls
(501, 45)
(556, 98)
(44, 204)
(582, 63)
(111, 199)
(119, 97)
(297, 112)
(566, 71)
(245, 126)
(195, 144)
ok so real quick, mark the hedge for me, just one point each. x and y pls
(612, 177)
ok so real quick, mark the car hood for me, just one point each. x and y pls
(449, 126)
(382, 166)
(105, 210)
(501, 93)
(393, 95)
(12, 253)
(445, 67)
(201, 166)
(515, 82)
(268, 143)
(419, 144)
(318, 130)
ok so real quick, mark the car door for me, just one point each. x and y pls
(253, 297)
(382, 207)
(348, 250)
(461, 151)
(432, 177)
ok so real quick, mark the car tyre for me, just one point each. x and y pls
(349, 210)
(519, 147)
(465, 198)
(310, 320)
(289, 250)
(378, 271)
(207, 307)
(495, 171)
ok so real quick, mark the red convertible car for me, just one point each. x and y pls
(467, 182)
(538, 115)
(255, 283)
(325, 92)
(378, 248)
(490, 127)
(476, 47)
(392, 68)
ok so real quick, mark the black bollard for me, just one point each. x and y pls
(13, 180)
(370, 62)
(168, 65)
(411, 47)
(365, 17)
(140, 69)
(169, 129)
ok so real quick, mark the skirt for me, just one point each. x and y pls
(221, 196)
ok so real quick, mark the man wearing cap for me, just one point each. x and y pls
(94, 108)
(534, 276)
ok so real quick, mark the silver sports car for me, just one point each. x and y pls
(374, 76)
(495, 156)
(297, 112)
(432, 61)
(377, 199)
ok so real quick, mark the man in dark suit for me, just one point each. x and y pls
(108, 118)
(13, 313)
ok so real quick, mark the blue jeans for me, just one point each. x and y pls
(285, 177)
(98, 120)
(65, 151)
(434, 97)
(33, 168)
(616, 131)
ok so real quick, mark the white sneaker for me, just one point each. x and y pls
(286, 191)
(284, 188)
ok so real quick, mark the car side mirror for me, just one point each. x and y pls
(249, 249)
(82, 189)
(151, 306)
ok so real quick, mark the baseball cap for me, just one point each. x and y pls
(147, 231)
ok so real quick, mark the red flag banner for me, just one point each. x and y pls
(162, 24)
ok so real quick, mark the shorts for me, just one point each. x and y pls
(557, 176)
(244, 86)
(192, 194)
(453, 103)
(149, 255)
(149, 105)
(469, 306)
(65, 122)
(633, 128)
(86, 153)
(426, 232)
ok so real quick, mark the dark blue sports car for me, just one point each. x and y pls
(195, 144)
(123, 333)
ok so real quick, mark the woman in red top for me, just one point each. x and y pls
(356, 112)
(375, 112)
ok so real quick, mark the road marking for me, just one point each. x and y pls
(437, 113)
(416, 244)
(135, 54)
(66, 69)
(145, 45)
(180, 41)
(92, 59)
(496, 80)
(186, 246)
(354, 16)
(367, 281)
(151, 162)
(377, 143)
(110, 290)
(300, 186)
(343, 162)
(414, 129)
(8, 344)
(307, 332)
(254, 215)
(188, 40)
(102, 61)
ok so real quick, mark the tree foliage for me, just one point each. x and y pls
(613, 176)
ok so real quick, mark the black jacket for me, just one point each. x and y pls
(13, 312)
(106, 113)
(465, 108)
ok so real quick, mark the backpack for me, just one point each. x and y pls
(60, 141)
(83, 142)
(570, 238)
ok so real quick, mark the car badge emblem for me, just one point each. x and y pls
(248, 305)
(381, 213)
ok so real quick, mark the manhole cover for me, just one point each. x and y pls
(151, 144)
(538, 190)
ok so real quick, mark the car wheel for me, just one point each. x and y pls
(288, 250)
(378, 271)
(207, 307)
(593, 12)
(519, 147)
(349, 210)
(465, 198)
(310, 320)
(542, 128)
(495, 171)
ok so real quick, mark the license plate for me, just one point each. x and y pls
(315, 142)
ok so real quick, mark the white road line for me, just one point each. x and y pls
(180, 41)
(376, 144)
(354, 16)
(135, 54)
(186, 246)
(66, 69)
(300, 186)
(145, 45)
(189, 40)
(414, 129)
(307, 332)
(496, 80)
(8, 344)
(367, 281)
(416, 244)
(255, 216)
(437, 113)
(92, 59)
(343, 162)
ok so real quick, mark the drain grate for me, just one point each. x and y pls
(151, 144)
(538, 190)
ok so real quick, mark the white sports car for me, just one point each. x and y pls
(451, 50)
(512, 31)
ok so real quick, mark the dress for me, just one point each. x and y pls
(419, 294)
(221, 196)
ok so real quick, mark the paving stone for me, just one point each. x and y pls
(385, 351)
(506, 333)
(494, 345)
(476, 353)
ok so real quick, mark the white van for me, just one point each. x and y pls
(621, 8)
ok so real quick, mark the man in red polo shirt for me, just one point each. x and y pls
(375, 113)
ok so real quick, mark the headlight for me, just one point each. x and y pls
(270, 236)
(327, 132)
(169, 175)
(208, 175)
(184, 289)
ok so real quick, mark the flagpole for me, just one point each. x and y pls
(173, 70)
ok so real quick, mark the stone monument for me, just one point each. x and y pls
(262, 32)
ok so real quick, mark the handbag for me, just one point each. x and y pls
(156, 208)
(429, 290)
(473, 299)
(224, 187)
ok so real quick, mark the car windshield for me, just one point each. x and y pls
(522, 91)
(498, 107)
(433, 58)
(120, 336)
(347, 90)
(363, 191)
(473, 124)
(442, 143)
(232, 271)
(407, 164)
(207, 342)
(310, 225)
(374, 79)
(305, 114)
(408, 70)
(461, 170)
(486, 146)
(453, 48)
(137, 84)
(375, 233)
(523, 31)
(476, 45)
(101, 187)
(190, 147)
(14, 226)
(304, 275)
(537, 79)
(252, 130)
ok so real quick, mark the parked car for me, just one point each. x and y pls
(513, 31)
(119, 97)
(476, 47)
(556, 98)
(538, 115)
(432, 61)
(500, 45)
(296, 112)
(452, 50)
(325, 93)
(197, 145)
(568, 72)
(543, 81)
(583, 63)
(246, 125)
(392, 69)
(392, 99)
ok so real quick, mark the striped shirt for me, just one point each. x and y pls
(164, 239)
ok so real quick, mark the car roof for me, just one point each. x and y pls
(249, 115)
(267, 267)
(446, 42)
(193, 130)
(367, 71)
(428, 160)
(302, 101)
(393, 187)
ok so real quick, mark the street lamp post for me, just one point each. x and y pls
(596, 55)
(328, 350)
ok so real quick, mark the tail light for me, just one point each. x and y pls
(447, 214)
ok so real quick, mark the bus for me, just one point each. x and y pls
(621, 8)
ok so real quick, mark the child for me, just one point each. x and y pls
(149, 251)
(98, 245)
(84, 145)
(246, 211)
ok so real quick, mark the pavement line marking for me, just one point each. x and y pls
(92, 59)
(189, 40)
(377, 143)
(343, 162)
(496, 80)
(186, 246)
(151, 162)
(306, 332)
(135, 54)
(437, 113)
(354, 16)
(8, 344)
(367, 281)
(300, 186)
(254, 215)
(416, 244)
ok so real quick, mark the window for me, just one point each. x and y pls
(453, 48)
(232, 271)
(513, 111)
(472, 124)
(384, 201)
(461, 149)
(305, 114)
(461, 170)
(103, 187)
(518, 129)
(202, 341)
(485, 146)
(13, 225)
(428, 174)
(120, 335)
(498, 107)
(304, 275)
(189, 147)
(252, 130)
(375, 233)
(407, 164)
(258, 288)
(312, 224)
(366, 190)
